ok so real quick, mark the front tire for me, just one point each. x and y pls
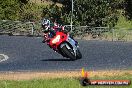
(68, 53)
(79, 55)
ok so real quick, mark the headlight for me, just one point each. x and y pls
(55, 40)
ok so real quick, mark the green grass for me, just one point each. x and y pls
(60, 83)
(46, 83)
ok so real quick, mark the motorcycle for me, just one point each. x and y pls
(65, 45)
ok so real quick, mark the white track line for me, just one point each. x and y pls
(5, 57)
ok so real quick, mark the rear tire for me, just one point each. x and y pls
(68, 53)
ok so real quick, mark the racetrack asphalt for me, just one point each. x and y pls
(30, 54)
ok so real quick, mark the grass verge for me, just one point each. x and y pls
(58, 83)
(52, 80)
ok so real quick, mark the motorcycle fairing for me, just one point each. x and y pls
(72, 43)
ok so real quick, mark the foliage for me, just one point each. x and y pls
(30, 12)
(128, 9)
(24, 1)
(53, 12)
(95, 12)
(123, 23)
(20, 10)
(9, 9)
(86, 12)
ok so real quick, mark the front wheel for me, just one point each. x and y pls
(78, 54)
(68, 52)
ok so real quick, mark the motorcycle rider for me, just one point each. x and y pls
(49, 28)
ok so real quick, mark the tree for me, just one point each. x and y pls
(128, 9)
(96, 12)
(52, 11)
(9, 9)
(92, 12)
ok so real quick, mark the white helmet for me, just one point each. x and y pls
(45, 23)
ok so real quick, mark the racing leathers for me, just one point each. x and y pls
(50, 29)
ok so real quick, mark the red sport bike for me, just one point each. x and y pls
(62, 43)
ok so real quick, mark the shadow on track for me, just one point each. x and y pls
(57, 60)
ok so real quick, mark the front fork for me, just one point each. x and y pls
(73, 43)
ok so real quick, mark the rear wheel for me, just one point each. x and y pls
(68, 53)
